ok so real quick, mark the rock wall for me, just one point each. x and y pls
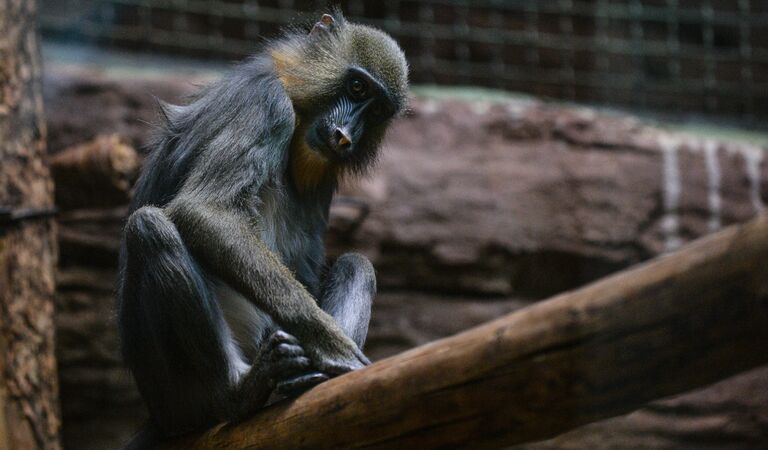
(533, 199)
(475, 210)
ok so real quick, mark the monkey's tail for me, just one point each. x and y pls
(146, 439)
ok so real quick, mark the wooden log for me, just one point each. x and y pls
(676, 323)
(98, 173)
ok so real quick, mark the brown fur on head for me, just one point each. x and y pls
(312, 68)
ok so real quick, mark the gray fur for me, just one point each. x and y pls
(348, 294)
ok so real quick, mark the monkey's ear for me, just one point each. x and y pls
(168, 111)
(324, 26)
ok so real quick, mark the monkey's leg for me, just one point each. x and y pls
(174, 337)
(347, 295)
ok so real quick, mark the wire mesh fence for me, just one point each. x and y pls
(680, 56)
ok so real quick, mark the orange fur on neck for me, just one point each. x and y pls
(308, 167)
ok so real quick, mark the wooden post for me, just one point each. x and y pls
(676, 323)
(28, 385)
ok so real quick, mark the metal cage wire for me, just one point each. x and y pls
(680, 56)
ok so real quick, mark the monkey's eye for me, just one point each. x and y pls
(358, 88)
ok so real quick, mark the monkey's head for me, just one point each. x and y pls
(346, 82)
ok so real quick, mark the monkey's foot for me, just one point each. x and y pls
(297, 386)
(291, 372)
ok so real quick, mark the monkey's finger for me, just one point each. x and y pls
(287, 351)
(335, 368)
(281, 337)
(297, 386)
(290, 367)
(364, 359)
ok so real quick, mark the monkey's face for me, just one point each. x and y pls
(349, 127)
(346, 82)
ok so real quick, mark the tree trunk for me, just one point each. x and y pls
(29, 416)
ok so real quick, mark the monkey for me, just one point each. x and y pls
(224, 299)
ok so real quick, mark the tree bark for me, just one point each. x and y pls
(679, 322)
(28, 384)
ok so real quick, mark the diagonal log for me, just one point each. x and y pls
(673, 324)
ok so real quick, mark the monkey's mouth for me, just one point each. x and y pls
(320, 141)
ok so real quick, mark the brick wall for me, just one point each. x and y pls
(678, 56)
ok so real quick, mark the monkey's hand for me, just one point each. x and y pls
(334, 366)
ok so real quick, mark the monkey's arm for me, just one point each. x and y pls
(225, 242)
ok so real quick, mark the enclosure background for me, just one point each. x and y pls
(678, 56)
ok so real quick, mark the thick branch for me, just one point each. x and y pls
(671, 325)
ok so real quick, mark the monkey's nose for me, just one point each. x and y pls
(341, 140)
